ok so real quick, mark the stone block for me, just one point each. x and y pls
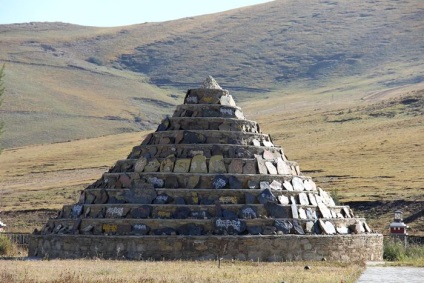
(276, 211)
(182, 165)
(216, 164)
(198, 164)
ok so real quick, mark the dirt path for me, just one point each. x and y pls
(377, 274)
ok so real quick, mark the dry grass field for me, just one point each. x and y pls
(88, 271)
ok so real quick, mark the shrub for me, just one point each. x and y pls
(95, 60)
(6, 246)
(395, 250)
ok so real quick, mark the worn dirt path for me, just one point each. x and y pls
(375, 274)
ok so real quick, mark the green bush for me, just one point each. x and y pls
(6, 246)
(395, 250)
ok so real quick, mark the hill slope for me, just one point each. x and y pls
(67, 82)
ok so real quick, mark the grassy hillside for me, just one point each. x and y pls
(66, 82)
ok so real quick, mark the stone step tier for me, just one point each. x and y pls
(208, 150)
(205, 181)
(198, 227)
(201, 211)
(209, 123)
(215, 164)
(181, 196)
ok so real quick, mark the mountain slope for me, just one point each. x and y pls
(68, 82)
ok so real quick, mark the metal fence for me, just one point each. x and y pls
(20, 239)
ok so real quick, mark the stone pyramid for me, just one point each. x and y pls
(207, 184)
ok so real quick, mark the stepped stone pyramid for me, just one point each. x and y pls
(207, 184)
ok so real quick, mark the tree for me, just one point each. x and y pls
(1, 94)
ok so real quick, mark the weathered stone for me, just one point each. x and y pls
(303, 199)
(261, 165)
(298, 228)
(236, 166)
(307, 184)
(276, 211)
(171, 182)
(114, 212)
(267, 143)
(182, 165)
(228, 214)
(251, 184)
(167, 165)
(294, 211)
(140, 196)
(366, 228)
(216, 164)
(269, 230)
(227, 100)
(235, 183)
(346, 212)
(302, 213)
(271, 168)
(266, 196)
(140, 164)
(276, 186)
(181, 213)
(312, 199)
(140, 229)
(163, 199)
(219, 182)
(228, 200)
(342, 230)
(193, 181)
(264, 185)
(249, 198)
(283, 225)
(201, 214)
(179, 201)
(255, 142)
(268, 155)
(288, 186)
(152, 166)
(297, 184)
(250, 168)
(190, 229)
(282, 167)
(254, 230)
(210, 83)
(193, 138)
(141, 212)
(198, 164)
(76, 210)
(164, 231)
(248, 212)
(327, 227)
(283, 200)
(310, 214)
(156, 182)
(191, 99)
(227, 226)
(357, 228)
(325, 212)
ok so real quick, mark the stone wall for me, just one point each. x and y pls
(362, 247)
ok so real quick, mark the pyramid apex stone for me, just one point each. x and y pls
(210, 83)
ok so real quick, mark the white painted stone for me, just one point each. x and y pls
(239, 114)
(294, 211)
(302, 213)
(312, 199)
(297, 184)
(271, 168)
(342, 230)
(267, 143)
(283, 200)
(303, 199)
(292, 200)
(326, 213)
(288, 186)
(276, 186)
(255, 142)
(227, 100)
(282, 167)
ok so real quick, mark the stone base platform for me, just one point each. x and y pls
(360, 247)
